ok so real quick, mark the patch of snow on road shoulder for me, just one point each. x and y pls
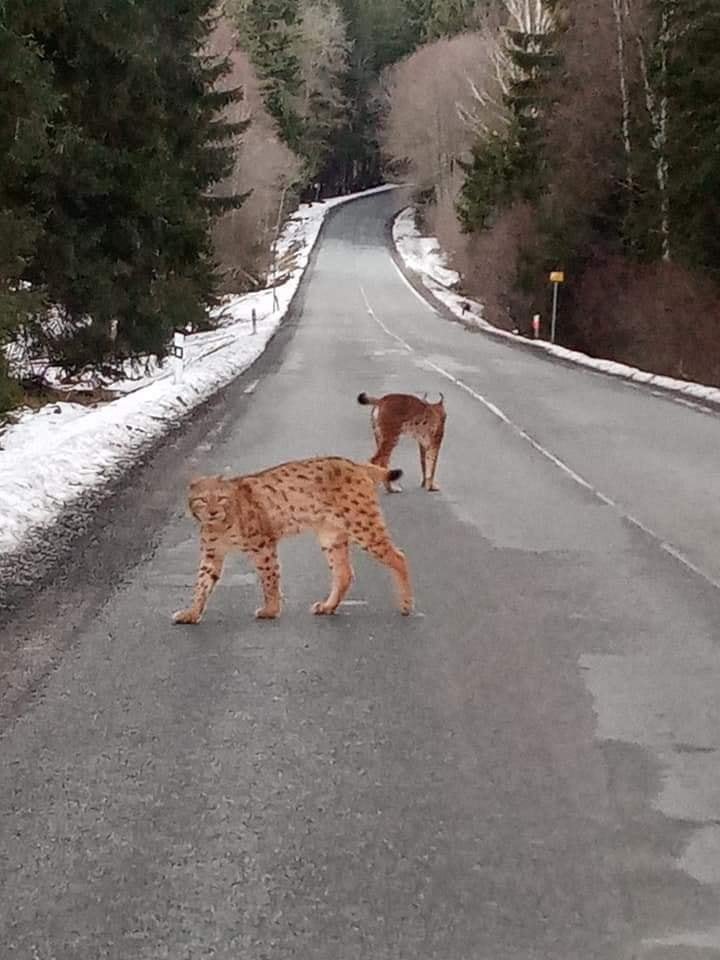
(50, 457)
(423, 256)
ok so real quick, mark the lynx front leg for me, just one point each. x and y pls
(266, 560)
(337, 553)
(211, 564)
(374, 538)
(423, 466)
(431, 458)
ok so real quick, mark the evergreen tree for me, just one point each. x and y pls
(138, 143)
(513, 168)
(268, 29)
(418, 13)
(335, 135)
(490, 182)
(27, 101)
(531, 58)
(445, 18)
(381, 32)
(692, 89)
(202, 144)
(323, 53)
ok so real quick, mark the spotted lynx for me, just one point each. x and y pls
(330, 495)
(402, 413)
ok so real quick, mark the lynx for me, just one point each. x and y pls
(402, 413)
(330, 495)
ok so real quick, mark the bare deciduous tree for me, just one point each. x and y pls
(434, 106)
(323, 50)
(620, 13)
(264, 165)
(657, 109)
(631, 312)
(639, 39)
(584, 130)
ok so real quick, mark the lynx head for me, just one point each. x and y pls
(210, 499)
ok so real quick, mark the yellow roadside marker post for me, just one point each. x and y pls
(556, 278)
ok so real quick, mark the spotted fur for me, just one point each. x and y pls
(336, 498)
(396, 414)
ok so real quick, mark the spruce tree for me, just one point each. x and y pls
(27, 101)
(381, 31)
(532, 58)
(513, 167)
(490, 182)
(445, 18)
(268, 29)
(418, 13)
(202, 146)
(138, 144)
(693, 135)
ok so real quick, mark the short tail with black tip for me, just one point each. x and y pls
(367, 401)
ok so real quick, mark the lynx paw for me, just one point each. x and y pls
(266, 613)
(186, 616)
(321, 609)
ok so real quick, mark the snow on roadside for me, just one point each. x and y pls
(50, 457)
(423, 256)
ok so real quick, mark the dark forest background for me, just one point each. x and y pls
(149, 148)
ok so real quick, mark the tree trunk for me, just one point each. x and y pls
(619, 10)
(657, 108)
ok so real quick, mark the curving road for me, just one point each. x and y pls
(527, 768)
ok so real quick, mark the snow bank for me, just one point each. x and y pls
(50, 457)
(422, 254)
(424, 257)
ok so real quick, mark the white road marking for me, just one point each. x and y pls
(382, 325)
(411, 288)
(707, 939)
(668, 548)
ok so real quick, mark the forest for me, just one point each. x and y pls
(149, 148)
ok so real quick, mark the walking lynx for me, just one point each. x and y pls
(330, 495)
(402, 413)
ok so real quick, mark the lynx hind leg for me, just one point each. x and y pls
(265, 558)
(386, 443)
(370, 533)
(337, 553)
(211, 564)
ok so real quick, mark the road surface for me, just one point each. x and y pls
(527, 769)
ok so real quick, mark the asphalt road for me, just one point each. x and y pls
(527, 768)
